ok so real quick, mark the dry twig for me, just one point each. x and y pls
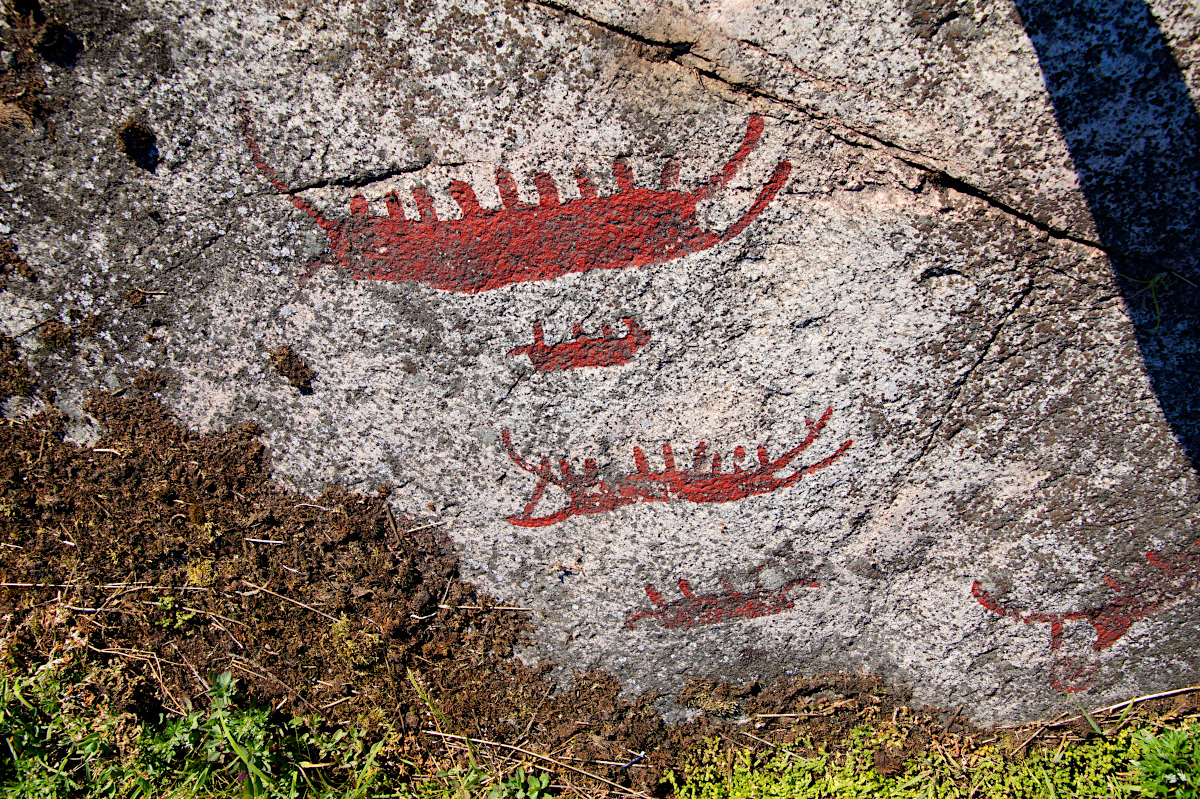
(548, 759)
(250, 667)
(792, 755)
(426, 527)
(288, 599)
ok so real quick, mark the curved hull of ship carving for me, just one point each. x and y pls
(487, 249)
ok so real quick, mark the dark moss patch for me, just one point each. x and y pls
(55, 335)
(927, 17)
(23, 98)
(26, 12)
(15, 377)
(11, 263)
(30, 38)
(291, 366)
(58, 45)
(87, 325)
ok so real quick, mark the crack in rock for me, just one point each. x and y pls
(675, 51)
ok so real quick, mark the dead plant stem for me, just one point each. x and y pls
(250, 667)
(768, 743)
(528, 753)
(203, 683)
(289, 599)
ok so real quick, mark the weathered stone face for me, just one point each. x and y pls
(883, 408)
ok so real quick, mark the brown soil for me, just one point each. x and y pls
(160, 556)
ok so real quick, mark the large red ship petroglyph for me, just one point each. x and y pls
(1156, 585)
(589, 492)
(489, 248)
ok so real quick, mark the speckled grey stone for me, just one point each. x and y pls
(969, 335)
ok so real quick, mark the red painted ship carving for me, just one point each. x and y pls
(1153, 587)
(715, 608)
(589, 492)
(607, 350)
(486, 249)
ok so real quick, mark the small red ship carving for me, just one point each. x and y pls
(1154, 587)
(607, 350)
(486, 249)
(591, 493)
(728, 605)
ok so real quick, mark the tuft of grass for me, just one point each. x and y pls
(58, 746)
(454, 780)
(1170, 763)
(1157, 286)
(58, 740)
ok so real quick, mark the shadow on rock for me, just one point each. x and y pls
(1133, 134)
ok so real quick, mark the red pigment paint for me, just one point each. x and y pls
(724, 606)
(1152, 587)
(607, 350)
(1071, 674)
(487, 249)
(588, 492)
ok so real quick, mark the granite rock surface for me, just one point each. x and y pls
(782, 337)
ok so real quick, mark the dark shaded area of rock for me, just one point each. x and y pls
(59, 45)
(139, 143)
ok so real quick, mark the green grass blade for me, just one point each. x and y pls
(244, 755)
(1091, 720)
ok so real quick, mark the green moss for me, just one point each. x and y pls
(1097, 768)
(61, 740)
(201, 573)
(360, 648)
